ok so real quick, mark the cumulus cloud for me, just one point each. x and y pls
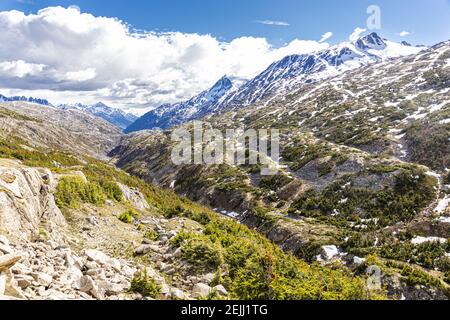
(404, 33)
(80, 55)
(326, 36)
(356, 34)
(19, 68)
(82, 75)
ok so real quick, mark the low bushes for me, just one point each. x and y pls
(145, 285)
(202, 253)
(252, 267)
(73, 190)
(128, 216)
(13, 148)
(151, 235)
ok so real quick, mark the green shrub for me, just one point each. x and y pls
(14, 147)
(93, 193)
(427, 254)
(424, 136)
(151, 235)
(412, 191)
(128, 216)
(237, 254)
(68, 192)
(274, 182)
(202, 253)
(141, 283)
(178, 240)
(437, 78)
(112, 190)
(73, 190)
(267, 277)
(447, 277)
(201, 217)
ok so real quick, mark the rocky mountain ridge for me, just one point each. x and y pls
(40, 101)
(47, 127)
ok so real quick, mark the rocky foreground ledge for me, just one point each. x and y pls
(46, 270)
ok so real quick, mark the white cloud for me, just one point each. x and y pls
(79, 56)
(356, 34)
(326, 36)
(82, 75)
(273, 23)
(19, 68)
(404, 33)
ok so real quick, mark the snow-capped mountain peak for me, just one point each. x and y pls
(219, 89)
(168, 115)
(371, 41)
(101, 107)
(293, 71)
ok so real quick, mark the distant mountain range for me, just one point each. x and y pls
(114, 116)
(277, 80)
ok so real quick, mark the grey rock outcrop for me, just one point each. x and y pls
(134, 196)
(28, 206)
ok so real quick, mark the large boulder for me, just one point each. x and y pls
(27, 201)
(134, 196)
(201, 290)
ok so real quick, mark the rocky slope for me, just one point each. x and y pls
(48, 127)
(44, 256)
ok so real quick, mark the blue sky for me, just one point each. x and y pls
(428, 21)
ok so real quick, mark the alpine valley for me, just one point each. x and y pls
(90, 212)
